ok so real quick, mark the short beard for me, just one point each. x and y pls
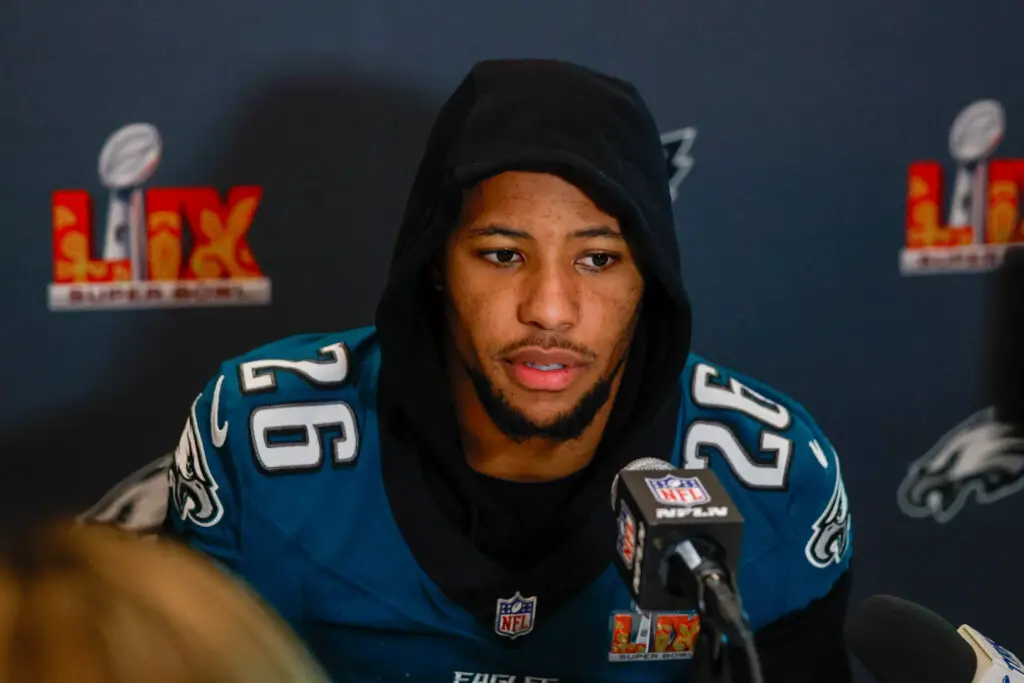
(566, 427)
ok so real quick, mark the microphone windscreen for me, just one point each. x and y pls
(641, 464)
(899, 641)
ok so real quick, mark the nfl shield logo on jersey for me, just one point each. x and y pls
(515, 616)
(673, 490)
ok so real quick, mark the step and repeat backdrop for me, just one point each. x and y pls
(181, 182)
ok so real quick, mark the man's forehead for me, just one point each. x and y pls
(512, 185)
(514, 197)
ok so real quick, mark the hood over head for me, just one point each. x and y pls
(547, 116)
(594, 131)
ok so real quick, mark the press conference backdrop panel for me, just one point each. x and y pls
(838, 222)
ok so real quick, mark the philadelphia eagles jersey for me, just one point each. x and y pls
(278, 476)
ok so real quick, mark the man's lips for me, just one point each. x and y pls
(547, 357)
(538, 369)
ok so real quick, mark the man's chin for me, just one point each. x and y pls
(541, 421)
(552, 416)
(539, 402)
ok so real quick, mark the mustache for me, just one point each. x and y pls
(548, 342)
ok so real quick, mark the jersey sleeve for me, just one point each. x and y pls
(816, 550)
(801, 636)
(785, 476)
(204, 509)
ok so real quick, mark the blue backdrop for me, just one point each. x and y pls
(807, 116)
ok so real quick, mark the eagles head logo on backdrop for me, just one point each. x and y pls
(980, 458)
(136, 503)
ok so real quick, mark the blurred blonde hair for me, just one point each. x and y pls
(92, 604)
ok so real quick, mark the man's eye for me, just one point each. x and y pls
(598, 261)
(502, 257)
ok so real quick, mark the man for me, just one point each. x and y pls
(394, 491)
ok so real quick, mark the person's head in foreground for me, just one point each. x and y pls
(91, 604)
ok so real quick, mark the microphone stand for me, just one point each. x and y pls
(711, 662)
(721, 615)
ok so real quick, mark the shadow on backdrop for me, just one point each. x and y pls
(335, 155)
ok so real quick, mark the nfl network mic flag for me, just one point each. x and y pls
(656, 509)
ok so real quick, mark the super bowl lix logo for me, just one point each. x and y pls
(145, 261)
(653, 636)
(983, 219)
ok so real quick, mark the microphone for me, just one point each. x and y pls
(899, 641)
(678, 548)
(1007, 364)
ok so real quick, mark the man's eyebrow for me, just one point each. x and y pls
(495, 230)
(598, 231)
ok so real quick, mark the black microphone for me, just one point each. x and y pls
(678, 548)
(1006, 360)
(899, 641)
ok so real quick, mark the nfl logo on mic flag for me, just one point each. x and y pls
(673, 490)
(515, 616)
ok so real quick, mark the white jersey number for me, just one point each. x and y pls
(306, 423)
(331, 371)
(710, 392)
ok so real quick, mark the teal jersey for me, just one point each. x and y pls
(278, 476)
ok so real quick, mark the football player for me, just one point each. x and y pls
(427, 499)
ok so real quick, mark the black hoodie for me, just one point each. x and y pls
(469, 534)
